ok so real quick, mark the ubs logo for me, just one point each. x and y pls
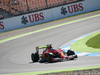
(1, 25)
(72, 8)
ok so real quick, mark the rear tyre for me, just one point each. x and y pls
(35, 57)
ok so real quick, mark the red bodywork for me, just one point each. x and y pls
(51, 55)
(55, 51)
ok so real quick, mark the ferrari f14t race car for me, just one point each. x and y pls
(52, 55)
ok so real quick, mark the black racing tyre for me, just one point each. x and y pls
(49, 57)
(75, 56)
(71, 57)
(70, 52)
(35, 57)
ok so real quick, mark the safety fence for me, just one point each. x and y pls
(9, 8)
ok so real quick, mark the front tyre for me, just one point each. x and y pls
(70, 52)
(49, 57)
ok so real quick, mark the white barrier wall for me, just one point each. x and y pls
(76, 8)
(49, 15)
(25, 20)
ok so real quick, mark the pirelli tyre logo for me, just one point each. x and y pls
(72, 8)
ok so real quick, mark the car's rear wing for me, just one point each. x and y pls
(42, 47)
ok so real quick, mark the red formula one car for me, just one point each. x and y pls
(52, 55)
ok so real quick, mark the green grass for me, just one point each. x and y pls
(94, 42)
(90, 44)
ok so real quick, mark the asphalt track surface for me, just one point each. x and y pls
(15, 55)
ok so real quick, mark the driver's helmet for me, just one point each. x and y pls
(52, 49)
